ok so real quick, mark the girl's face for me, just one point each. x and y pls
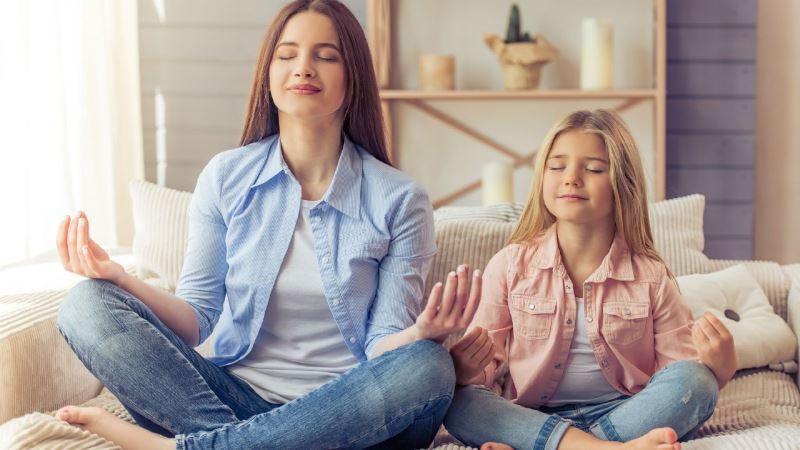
(576, 181)
(306, 74)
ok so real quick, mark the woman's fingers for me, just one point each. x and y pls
(474, 299)
(72, 237)
(462, 291)
(61, 243)
(434, 300)
(448, 297)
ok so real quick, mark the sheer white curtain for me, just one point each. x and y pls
(70, 121)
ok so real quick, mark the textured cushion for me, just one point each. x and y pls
(734, 296)
(37, 368)
(161, 224)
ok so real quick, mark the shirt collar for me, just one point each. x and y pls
(616, 264)
(344, 193)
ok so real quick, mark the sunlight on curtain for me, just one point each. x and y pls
(70, 121)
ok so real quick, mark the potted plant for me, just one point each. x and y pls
(521, 56)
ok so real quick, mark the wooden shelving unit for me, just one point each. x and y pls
(379, 32)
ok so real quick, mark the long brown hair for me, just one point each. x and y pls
(363, 120)
(628, 182)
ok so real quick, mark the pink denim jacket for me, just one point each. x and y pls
(636, 319)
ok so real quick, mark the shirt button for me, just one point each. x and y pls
(569, 321)
(589, 319)
(325, 259)
(531, 306)
(336, 301)
(316, 219)
(352, 340)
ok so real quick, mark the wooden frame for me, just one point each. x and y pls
(379, 33)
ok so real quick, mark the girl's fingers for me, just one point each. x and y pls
(717, 324)
(488, 356)
(466, 341)
(483, 348)
(474, 298)
(476, 344)
(61, 243)
(448, 297)
(708, 329)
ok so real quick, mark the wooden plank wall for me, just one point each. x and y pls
(196, 64)
(711, 116)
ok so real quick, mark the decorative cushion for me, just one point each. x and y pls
(161, 226)
(760, 336)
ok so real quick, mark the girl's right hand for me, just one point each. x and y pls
(471, 354)
(81, 255)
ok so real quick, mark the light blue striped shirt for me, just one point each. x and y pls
(373, 236)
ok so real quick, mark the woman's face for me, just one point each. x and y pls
(306, 74)
(576, 180)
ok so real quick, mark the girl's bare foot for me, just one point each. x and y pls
(657, 439)
(496, 446)
(116, 430)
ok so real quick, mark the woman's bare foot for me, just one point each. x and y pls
(496, 446)
(658, 439)
(116, 430)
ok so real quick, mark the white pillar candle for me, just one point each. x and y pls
(597, 55)
(497, 183)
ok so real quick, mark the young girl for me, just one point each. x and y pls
(600, 344)
(307, 255)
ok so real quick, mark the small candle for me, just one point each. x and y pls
(597, 55)
(437, 72)
(497, 183)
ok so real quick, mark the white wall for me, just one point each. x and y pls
(197, 60)
(777, 208)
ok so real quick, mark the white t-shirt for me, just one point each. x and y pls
(583, 380)
(299, 347)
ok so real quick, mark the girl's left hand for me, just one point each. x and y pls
(715, 347)
(450, 307)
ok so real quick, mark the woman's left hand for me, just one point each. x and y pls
(450, 307)
(715, 347)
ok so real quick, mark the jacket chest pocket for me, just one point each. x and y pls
(531, 315)
(625, 322)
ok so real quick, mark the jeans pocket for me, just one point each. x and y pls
(532, 315)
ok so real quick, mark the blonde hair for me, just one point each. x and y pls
(627, 183)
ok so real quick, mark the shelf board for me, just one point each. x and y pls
(543, 94)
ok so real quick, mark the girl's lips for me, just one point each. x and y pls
(304, 89)
(572, 198)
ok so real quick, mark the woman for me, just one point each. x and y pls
(321, 249)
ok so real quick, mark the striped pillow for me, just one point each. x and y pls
(161, 225)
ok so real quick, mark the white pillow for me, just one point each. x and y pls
(760, 336)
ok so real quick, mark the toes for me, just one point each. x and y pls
(65, 414)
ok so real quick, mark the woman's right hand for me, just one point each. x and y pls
(471, 354)
(81, 255)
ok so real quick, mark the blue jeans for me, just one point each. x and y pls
(682, 396)
(397, 400)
